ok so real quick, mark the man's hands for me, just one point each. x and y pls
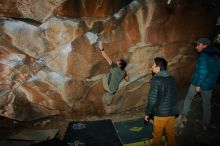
(100, 45)
(146, 118)
(198, 89)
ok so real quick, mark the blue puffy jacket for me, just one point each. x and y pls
(207, 69)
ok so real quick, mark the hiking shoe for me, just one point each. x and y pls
(203, 127)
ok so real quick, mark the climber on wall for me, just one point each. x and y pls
(116, 74)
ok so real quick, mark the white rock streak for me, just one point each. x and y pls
(64, 52)
(13, 26)
(13, 60)
(66, 49)
(119, 14)
(24, 37)
(92, 37)
(134, 5)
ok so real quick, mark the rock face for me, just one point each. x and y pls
(44, 65)
(38, 10)
(90, 8)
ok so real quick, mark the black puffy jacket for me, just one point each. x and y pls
(162, 98)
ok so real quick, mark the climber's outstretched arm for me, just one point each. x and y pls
(104, 54)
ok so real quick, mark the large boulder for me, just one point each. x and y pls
(44, 66)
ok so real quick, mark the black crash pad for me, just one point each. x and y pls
(91, 133)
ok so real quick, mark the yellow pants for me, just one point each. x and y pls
(161, 123)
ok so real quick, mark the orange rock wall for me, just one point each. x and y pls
(48, 50)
